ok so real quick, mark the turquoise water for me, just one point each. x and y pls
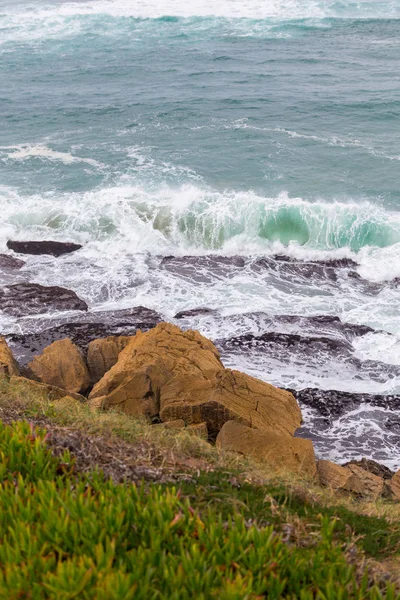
(300, 101)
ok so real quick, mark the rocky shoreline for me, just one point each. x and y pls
(49, 314)
(176, 379)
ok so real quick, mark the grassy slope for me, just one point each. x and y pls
(219, 533)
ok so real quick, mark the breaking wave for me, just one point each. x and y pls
(190, 218)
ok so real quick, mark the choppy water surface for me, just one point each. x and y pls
(240, 133)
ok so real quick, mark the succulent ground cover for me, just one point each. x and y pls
(196, 526)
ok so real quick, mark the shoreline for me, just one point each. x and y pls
(286, 337)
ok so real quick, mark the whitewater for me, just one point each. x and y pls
(239, 157)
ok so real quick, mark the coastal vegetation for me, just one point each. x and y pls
(205, 523)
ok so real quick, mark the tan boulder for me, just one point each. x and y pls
(149, 360)
(61, 364)
(392, 487)
(177, 424)
(350, 478)
(96, 404)
(278, 450)
(332, 475)
(132, 392)
(103, 354)
(363, 483)
(33, 389)
(228, 395)
(180, 376)
(8, 364)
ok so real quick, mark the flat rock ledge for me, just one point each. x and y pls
(23, 299)
(10, 263)
(43, 247)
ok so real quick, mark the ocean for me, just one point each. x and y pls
(239, 156)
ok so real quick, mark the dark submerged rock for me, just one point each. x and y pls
(31, 299)
(208, 268)
(203, 269)
(328, 324)
(10, 263)
(195, 312)
(321, 342)
(288, 340)
(324, 272)
(43, 247)
(333, 404)
(299, 269)
(335, 263)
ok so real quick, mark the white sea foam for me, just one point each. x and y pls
(332, 140)
(199, 219)
(252, 9)
(28, 151)
(380, 264)
(33, 21)
(378, 346)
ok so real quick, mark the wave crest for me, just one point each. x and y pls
(201, 220)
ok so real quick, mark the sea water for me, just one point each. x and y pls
(146, 129)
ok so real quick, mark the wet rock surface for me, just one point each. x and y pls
(278, 268)
(31, 298)
(82, 330)
(334, 404)
(328, 273)
(10, 263)
(316, 354)
(203, 269)
(304, 269)
(325, 325)
(195, 312)
(43, 247)
(288, 340)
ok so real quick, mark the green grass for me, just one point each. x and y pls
(64, 535)
(277, 504)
